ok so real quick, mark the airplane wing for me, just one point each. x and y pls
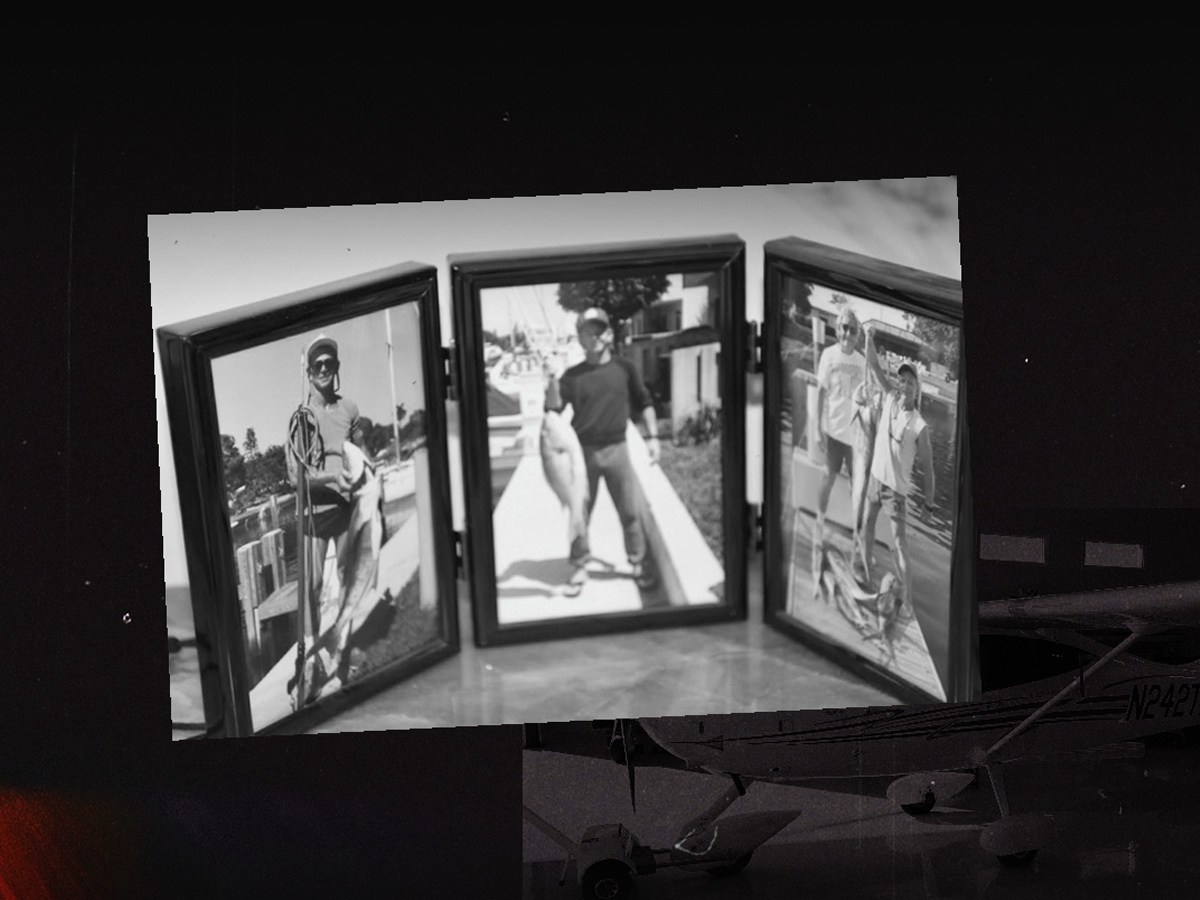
(1137, 609)
(598, 739)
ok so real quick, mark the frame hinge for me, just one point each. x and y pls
(754, 347)
(450, 372)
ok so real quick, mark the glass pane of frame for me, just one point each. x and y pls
(605, 413)
(865, 411)
(316, 438)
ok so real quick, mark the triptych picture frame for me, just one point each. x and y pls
(602, 395)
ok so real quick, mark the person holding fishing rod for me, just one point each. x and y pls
(902, 437)
(319, 428)
(605, 391)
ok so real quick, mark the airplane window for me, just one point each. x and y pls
(1126, 556)
(1012, 548)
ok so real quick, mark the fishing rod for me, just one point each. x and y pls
(305, 450)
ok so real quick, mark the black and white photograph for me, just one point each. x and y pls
(866, 538)
(869, 475)
(328, 505)
(604, 425)
(611, 404)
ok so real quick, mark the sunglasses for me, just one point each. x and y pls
(326, 363)
(848, 329)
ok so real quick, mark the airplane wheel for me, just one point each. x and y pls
(731, 868)
(920, 809)
(607, 880)
(1016, 860)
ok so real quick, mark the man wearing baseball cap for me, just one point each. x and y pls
(337, 421)
(605, 392)
(901, 439)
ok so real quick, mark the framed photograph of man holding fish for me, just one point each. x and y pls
(310, 443)
(596, 386)
(866, 515)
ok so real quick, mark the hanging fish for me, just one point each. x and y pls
(348, 599)
(562, 461)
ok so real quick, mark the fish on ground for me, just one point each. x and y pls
(873, 613)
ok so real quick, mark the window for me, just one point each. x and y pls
(1124, 556)
(1012, 548)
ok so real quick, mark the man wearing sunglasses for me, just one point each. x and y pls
(902, 437)
(840, 371)
(337, 421)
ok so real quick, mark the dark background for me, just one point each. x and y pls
(1078, 220)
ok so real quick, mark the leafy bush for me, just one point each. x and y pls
(701, 427)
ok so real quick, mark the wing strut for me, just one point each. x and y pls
(1068, 688)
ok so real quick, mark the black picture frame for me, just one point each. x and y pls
(188, 350)
(472, 274)
(790, 261)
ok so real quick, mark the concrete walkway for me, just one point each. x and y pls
(530, 527)
(531, 547)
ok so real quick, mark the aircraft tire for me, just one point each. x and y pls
(1016, 860)
(731, 868)
(607, 880)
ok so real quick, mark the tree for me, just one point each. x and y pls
(266, 473)
(377, 438)
(621, 298)
(250, 447)
(412, 432)
(942, 339)
(796, 306)
(234, 462)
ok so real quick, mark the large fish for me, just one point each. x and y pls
(562, 461)
(349, 597)
(871, 612)
(866, 418)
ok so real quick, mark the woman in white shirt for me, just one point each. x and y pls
(902, 436)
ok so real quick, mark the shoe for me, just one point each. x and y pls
(578, 579)
(644, 578)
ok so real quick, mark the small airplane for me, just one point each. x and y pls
(920, 755)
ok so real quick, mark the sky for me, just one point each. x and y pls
(866, 310)
(535, 305)
(525, 305)
(259, 388)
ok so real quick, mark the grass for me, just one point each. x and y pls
(695, 473)
(410, 629)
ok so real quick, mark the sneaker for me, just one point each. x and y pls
(578, 579)
(644, 578)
